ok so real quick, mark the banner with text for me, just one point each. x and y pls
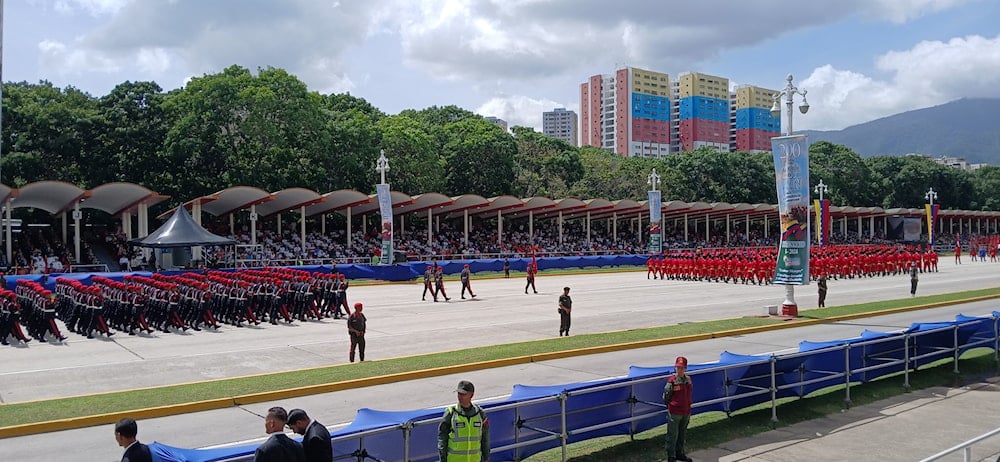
(385, 208)
(791, 173)
(655, 216)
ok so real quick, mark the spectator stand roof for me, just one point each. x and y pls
(58, 196)
(425, 202)
(227, 201)
(398, 200)
(289, 199)
(338, 200)
(470, 202)
(433, 204)
(533, 206)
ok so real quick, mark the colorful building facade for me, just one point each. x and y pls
(703, 116)
(754, 125)
(628, 112)
(637, 112)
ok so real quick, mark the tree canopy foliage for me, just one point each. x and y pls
(267, 129)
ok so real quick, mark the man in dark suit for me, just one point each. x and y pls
(315, 436)
(279, 447)
(125, 431)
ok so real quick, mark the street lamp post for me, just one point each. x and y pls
(930, 195)
(821, 189)
(382, 165)
(789, 94)
(789, 307)
(655, 216)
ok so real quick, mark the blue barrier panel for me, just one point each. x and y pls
(11, 280)
(734, 382)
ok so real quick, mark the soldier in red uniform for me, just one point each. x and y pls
(530, 270)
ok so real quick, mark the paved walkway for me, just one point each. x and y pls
(908, 427)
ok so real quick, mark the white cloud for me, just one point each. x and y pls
(177, 39)
(519, 110)
(93, 7)
(56, 58)
(929, 73)
(900, 11)
(153, 60)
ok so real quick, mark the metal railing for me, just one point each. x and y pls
(965, 447)
(521, 428)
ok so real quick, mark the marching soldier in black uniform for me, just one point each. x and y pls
(439, 284)
(342, 294)
(465, 282)
(429, 284)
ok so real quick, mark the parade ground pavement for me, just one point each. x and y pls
(908, 427)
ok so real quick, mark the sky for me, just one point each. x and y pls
(859, 60)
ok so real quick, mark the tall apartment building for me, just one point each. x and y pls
(627, 112)
(635, 112)
(703, 116)
(753, 124)
(560, 124)
(497, 121)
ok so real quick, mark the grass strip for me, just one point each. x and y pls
(73, 407)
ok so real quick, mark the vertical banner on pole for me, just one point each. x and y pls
(822, 208)
(932, 213)
(385, 208)
(655, 216)
(791, 173)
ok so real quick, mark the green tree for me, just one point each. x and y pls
(479, 157)
(717, 176)
(355, 139)
(134, 129)
(985, 184)
(850, 180)
(234, 128)
(613, 177)
(415, 166)
(544, 166)
(50, 134)
(906, 179)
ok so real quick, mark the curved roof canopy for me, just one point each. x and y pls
(288, 199)
(51, 196)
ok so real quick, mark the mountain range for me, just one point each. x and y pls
(964, 128)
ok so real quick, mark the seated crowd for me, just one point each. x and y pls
(41, 251)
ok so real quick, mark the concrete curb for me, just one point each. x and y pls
(222, 403)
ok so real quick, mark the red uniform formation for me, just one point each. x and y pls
(170, 303)
(756, 265)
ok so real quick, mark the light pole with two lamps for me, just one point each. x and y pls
(821, 189)
(930, 195)
(789, 307)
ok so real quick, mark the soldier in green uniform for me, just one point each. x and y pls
(565, 309)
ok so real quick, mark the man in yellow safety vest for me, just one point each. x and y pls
(464, 433)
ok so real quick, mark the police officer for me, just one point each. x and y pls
(464, 433)
(465, 282)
